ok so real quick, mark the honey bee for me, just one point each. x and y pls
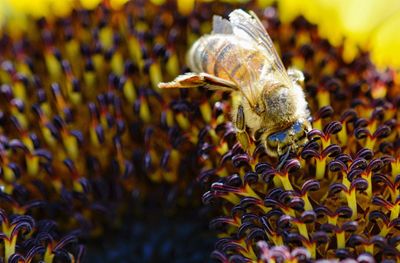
(268, 101)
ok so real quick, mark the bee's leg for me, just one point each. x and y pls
(240, 126)
(283, 159)
(192, 80)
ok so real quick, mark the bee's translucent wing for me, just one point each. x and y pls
(251, 28)
(248, 89)
(221, 26)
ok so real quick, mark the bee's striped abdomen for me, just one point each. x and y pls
(225, 56)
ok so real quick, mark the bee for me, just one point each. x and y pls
(269, 104)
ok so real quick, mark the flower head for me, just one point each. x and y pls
(86, 137)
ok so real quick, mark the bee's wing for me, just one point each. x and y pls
(251, 28)
(221, 26)
(249, 91)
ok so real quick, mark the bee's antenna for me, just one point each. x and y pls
(283, 159)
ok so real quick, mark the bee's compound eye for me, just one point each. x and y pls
(278, 142)
(276, 139)
(295, 136)
(298, 129)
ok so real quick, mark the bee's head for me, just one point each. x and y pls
(278, 143)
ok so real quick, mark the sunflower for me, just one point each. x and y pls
(89, 144)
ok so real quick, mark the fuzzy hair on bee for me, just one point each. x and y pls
(269, 104)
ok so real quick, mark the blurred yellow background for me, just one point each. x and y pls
(371, 25)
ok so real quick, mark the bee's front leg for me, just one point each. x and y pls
(283, 158)
(240, 126)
